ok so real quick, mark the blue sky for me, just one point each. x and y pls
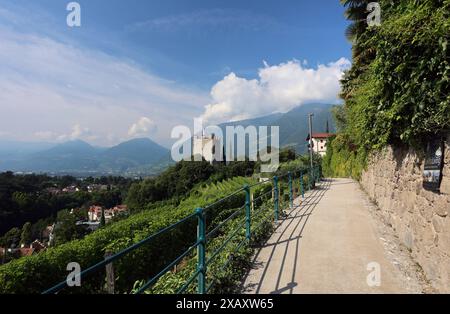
(137, 68)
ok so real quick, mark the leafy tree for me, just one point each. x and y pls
(340, 117)
(66, 181)
(287, 154)
(11, 238)
(175, 182)
(107, 199)
(102, 219)
(65, 228)
(21, 199)
(356, 11)
(25, 237)
(26, 198)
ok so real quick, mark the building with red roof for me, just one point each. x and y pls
(319, 142)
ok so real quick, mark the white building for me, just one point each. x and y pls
(319, 142)
(95, 212)
(209, 147)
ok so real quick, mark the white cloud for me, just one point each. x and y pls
(45, 135)
(211, 19)
(144, 127)
(48, 85)
(278, 88)
(77, 132)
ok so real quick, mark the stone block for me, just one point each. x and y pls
(441, 206)
(445, 185)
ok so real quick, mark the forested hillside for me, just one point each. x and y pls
(49, 267)
(155, 203)
(30, 198)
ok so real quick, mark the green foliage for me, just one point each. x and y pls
(25, 237)
(36, 273)
(25, 198)
(66, 229)
(179, 179)
(397, 89)
(11, 238)
(340, 117)
(302, 162)
(226, 269)
(102, 218)
(287, 154)
(343, 159)
(356, 11)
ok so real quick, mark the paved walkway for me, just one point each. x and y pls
(324, 246)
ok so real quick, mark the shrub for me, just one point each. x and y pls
(39, 272)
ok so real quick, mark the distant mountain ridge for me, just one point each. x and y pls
(143, 156)
(73, 157)
(293, 125)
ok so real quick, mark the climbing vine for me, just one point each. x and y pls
(397, 90)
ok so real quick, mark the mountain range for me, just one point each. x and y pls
(293, 125)
(143, 156)
(136, 156)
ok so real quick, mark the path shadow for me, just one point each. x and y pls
(292, 225)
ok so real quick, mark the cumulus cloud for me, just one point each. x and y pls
(142, 128)
(277, 88)
(77, 132)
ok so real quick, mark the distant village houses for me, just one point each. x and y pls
(35, 247)
(95, 212)
(71, 189)
(97, 187)
(47, 237)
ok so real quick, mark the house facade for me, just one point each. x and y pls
(95, 212)
(320, 142)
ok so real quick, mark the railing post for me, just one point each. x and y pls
(201, 250)
(276, 196)
(309, 180)
(110, 278)
(291, 198)
(315, 176)
(301, 184)
(247, 212)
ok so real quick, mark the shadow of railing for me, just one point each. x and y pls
(294, 224)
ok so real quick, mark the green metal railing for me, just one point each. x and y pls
(200, 273)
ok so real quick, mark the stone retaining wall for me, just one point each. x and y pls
(420, 218)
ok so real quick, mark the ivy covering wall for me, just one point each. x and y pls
(398, 89)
